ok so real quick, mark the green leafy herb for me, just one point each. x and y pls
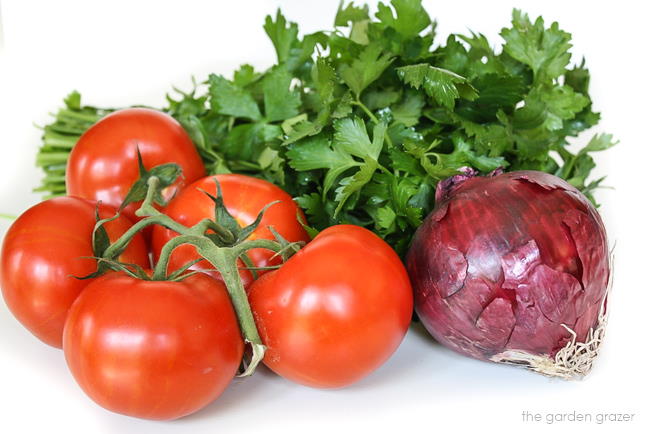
(359, 124)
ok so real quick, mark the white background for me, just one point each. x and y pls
(123, 52)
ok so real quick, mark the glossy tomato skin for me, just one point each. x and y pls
(244, 197)
(103, 164)
(41, 252)
(335, 311)
(153, 349)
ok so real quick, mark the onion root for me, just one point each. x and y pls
(573, 361)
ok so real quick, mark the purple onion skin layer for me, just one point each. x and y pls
(503, 261)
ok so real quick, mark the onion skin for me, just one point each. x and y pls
(504, 262)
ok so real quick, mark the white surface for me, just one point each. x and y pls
(123, 52)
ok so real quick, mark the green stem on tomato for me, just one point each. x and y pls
(249, 265)
(223, 232)
(160, 270)
(225, 260)
(147, 209)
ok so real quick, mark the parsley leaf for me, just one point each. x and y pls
(442, 85)
(280, 102)
(350, 14)
(545, 51)
(317, 153)
(410, 17)
(283, 35)
(365, 69)
(232, 100)
(351, 136)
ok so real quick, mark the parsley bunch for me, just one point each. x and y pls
(360, 123)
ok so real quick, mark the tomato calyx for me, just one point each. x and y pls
(166, 173)
(221, 241)
(232, 232)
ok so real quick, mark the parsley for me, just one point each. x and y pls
(360, 123)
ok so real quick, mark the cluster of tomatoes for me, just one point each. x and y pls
(162, 349)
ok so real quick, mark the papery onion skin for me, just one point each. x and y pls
(504, 262)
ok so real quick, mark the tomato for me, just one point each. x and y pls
(335, 311)
(244, 197)
(153, 349)
(42, 251)
(103, 165)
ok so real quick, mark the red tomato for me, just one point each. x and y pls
(41, 252)
(335, 311)
(244, 197)
(103, 165)
(153, 349)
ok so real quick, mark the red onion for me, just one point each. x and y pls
(513, 268)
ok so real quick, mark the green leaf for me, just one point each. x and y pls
(545, 51)
(599, 142)
(344, 106)
(245, 75)
(442, 85)
(582, 167)
(495, 92)
(300, 56)
(365, 69)
(316, 208)
(73, 100)
(223, 216)
(351, 136)
(442, 165)
(405, 162)
(280, 102)
(283, 35)
(410, 17)
(317, 153)
(352, 184)
(385, 217)
(324, 78)
(230, 99)
(359, 32)
(247, 141)
(301, 130)
(489, 139)
(578, 78)
(564, 102)
(378, 135)
(246, 231)
(100, 239)
(166, 173)
(350, 14)
(378, 99)
(409, 111)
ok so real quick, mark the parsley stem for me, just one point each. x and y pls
(363, 107)
(374, 119)
(568, 166)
